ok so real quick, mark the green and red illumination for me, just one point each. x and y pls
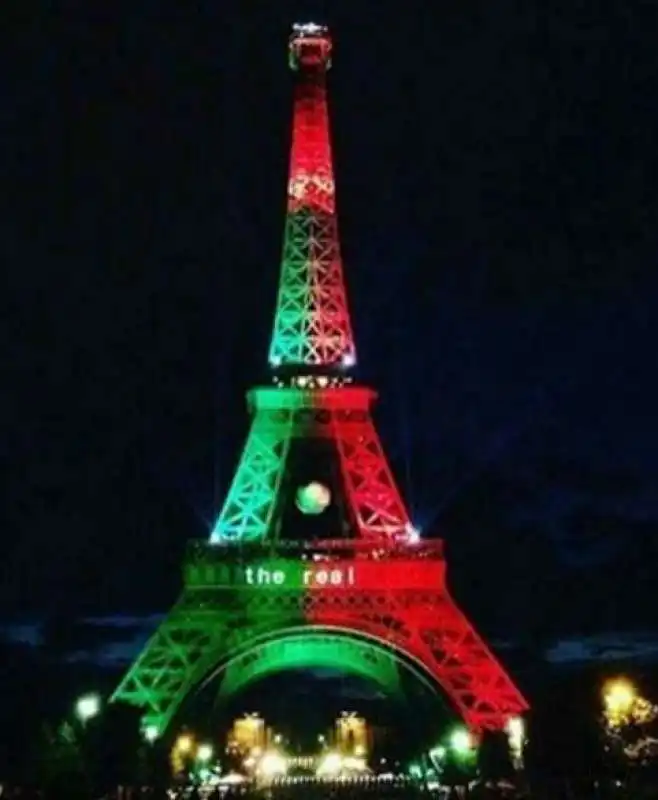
(312, 325)
(249, 586)
(339, 413)
(312, 332)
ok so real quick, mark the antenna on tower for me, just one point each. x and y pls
(312, 327)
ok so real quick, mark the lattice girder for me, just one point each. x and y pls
(312, 650)
(251, 500)
(375, 498)
(312, 325)
(341, 414)
(212, 627)
(221, 616)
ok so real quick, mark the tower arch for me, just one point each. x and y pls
(311, 647)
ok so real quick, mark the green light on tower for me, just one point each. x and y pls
(313, 498)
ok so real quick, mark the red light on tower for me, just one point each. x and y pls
(312, 326)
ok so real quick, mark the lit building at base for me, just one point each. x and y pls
(248, 734)
(352, 735)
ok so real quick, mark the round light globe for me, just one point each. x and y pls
(313, 498)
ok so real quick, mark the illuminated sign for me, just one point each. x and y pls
(284, 574)
(310, 576)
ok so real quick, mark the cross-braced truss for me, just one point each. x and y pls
(213, 627)
(221, 616)
(251, 500)
(312, 649)
(340, 414)
(374, 496)
(312, 325)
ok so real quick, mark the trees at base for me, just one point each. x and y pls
(58, 762)
(494, 758)
(99, 754)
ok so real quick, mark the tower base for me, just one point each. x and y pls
(235, 601)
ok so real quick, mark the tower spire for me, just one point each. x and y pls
(312, 326)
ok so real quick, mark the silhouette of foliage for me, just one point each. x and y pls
(494, 758)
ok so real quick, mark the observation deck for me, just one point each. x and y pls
(201, 551)
(322, 565)
(310, 46)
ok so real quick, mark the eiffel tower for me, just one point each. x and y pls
(313, 555)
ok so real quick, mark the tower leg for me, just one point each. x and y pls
(250, 504)
(205, 630)
(429, 629)
(466, 667)
(168, 665)
(375, 498)
(209, 629)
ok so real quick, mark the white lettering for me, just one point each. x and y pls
(336, 577)
(278, 577)
(310, 577)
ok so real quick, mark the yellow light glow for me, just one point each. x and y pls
(619, 694)
(355, 764)
(272, 764)
(331, 764)
(184, 743)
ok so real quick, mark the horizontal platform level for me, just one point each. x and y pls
(351, 398)
(345, 564)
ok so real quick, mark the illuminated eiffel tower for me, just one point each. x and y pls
(313, 557)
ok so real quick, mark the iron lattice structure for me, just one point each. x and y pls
(312, 324)
(254, 594)
(340, 413)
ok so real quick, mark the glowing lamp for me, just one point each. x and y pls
(461, 741)
(88, 707)
(331, 764)
(620, 695)
(184, 743)
(151, 733)
(204, 753)
(272, 764)
(313, 498)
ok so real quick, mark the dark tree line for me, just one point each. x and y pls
(567, 753)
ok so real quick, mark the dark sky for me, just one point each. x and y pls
(497, 198)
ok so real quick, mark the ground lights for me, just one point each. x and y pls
(87, 707)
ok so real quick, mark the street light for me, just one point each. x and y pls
(151, 733)
(515, 729)
(619, 697)
(184, 743)
(461, 742)
(87, 707)
(204, 753)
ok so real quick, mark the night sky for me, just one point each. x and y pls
(495, 166)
